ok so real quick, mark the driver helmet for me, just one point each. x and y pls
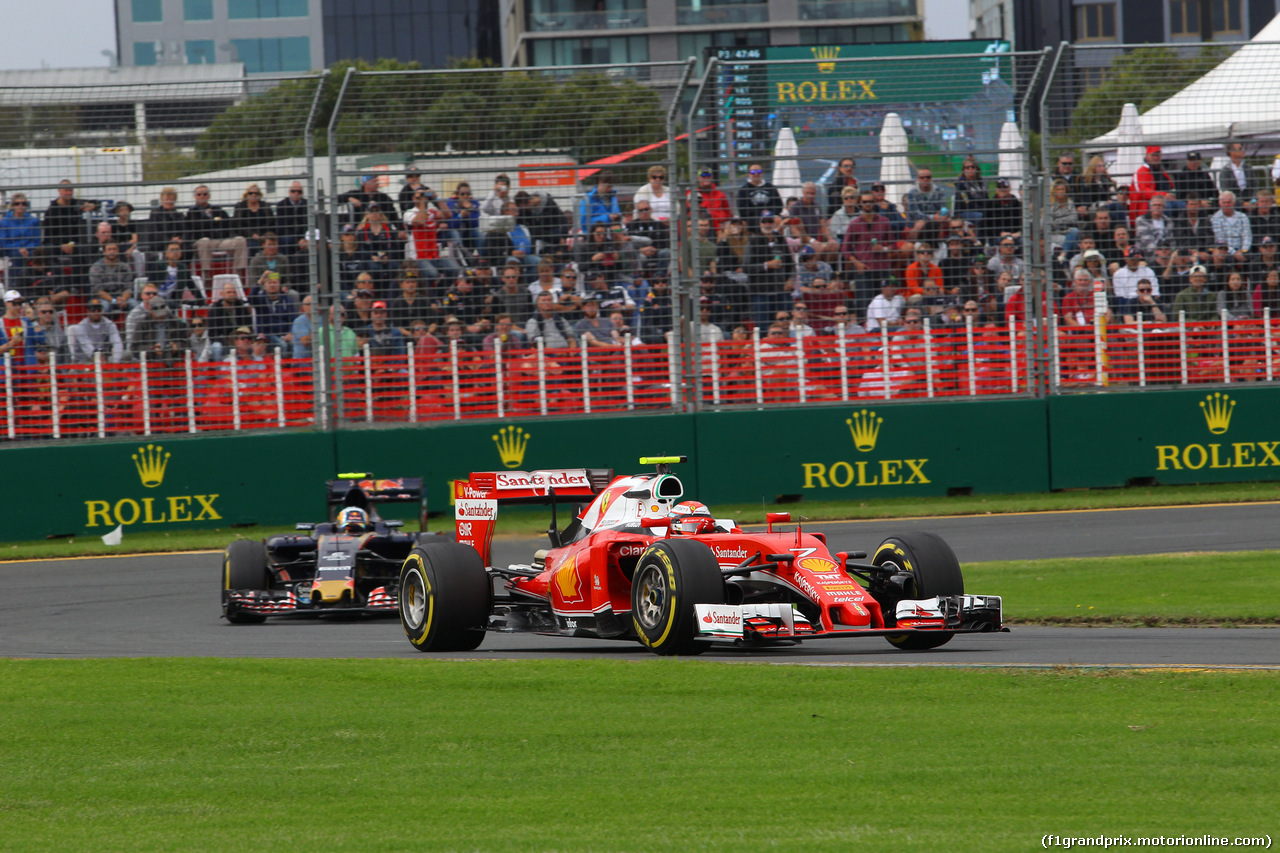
(692, 517)
(353, 520)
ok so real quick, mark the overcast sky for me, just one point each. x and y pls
(57, 33)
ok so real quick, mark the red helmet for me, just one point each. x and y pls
(692, 517)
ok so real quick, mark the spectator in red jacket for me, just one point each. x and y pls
(1150, 179)
(714, 203)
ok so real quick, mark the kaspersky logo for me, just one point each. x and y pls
(1217, 409)
(864, 428)
(511, 442)
(150, 463)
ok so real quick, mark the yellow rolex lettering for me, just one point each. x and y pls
(822, 90)
(1201, 455)
(180, 508)
(207, 512)
(132, 506)
(1243, 454)
(847, 92)
(917, 471)
(815, 471)
(846, 475)
(889, 470)
(866, 89)
(862, 475)
(96, 510)
(786, 90)
(1268, 449)
(1167, 457)
(1214, 461)
(148, 514)
(807, 91)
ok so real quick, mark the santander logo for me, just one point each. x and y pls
(722, 619)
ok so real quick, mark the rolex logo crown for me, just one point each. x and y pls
(864, 426)
(825, 55)
(1217, 408)
(151, 462)
(511, 442)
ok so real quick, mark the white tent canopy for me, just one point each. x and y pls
(1239, 98)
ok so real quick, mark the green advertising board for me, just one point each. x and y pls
(923, 71)
(873, 450)
(1165, 436)
(162, 483)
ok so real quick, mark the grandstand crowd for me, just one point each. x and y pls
(493, 264)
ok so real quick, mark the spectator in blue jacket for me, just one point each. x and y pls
(600, 205)
(19, 232)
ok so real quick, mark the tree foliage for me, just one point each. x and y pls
(1145, 77)
(467, 108)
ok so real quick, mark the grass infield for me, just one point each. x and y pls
(649, 755)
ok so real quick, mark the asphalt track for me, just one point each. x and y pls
(167, 605)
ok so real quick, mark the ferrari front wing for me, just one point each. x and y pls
(961, 614)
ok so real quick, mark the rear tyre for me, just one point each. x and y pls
(671, 576)
(244, 566)
(934, 570)
(444, 597)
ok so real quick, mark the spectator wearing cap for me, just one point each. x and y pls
(224, 317)
(464, 219)
(95, 334)
(1236, 177)
(209, 227)
(886, 308)
(1192, 178)
(378, 240)
(160, 334)
(19, 234)
(358, 201)
(274, 309)
(1199, 304)
(466, 302)
(361, 302)
(45, 329)
(928, 206)
(384, 338)
(549, 324)
(1004, 215)
(14, 327)
(411, 187)
(712, 203)
(241, 346)
(593, 328)
(1006, 260)
(1232, 226)
(424, 222)
(609, 295)
(600, 205)
(1124, 281)
(1219, 266)
(889, 210)
(768, 268)
(1153, 226)
(756, 195)
(1264, 260)
(655, 311)
(291, 219)
(1150, 180)
(810, 268)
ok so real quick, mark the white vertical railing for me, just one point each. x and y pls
(673, 376)
(101, 395)
(1055, 365)
(884, 358)
(586, 378)
(54, 408)
(844, 364)
(755, 351)
(413, 383)
(455, 379)
(1182, 344)
(715, 373)
(630, 376)
(146, 393)
(800, 374)
(1142, 351)
(279, 391)
(1226, 351)
(368, 386)
(1013, 356)
(973, 357)
(1266, 341)
(498, 382)
(928, 357)
(1099, 346)
(8, 392)
(191, 392)
(542, 376)
(235, 391)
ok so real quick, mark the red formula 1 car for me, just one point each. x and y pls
(638, 562)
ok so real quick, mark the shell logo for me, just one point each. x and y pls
(568, 582)
(817, 564)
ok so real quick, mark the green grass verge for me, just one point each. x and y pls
(650, 755)
(520, 521)
(1234, 588)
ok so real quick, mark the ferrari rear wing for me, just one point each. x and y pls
(477, 498)
(398, 490)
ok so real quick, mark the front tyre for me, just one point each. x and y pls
(444, 597)
(933, 569)
(672, 576)
(244, 566)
